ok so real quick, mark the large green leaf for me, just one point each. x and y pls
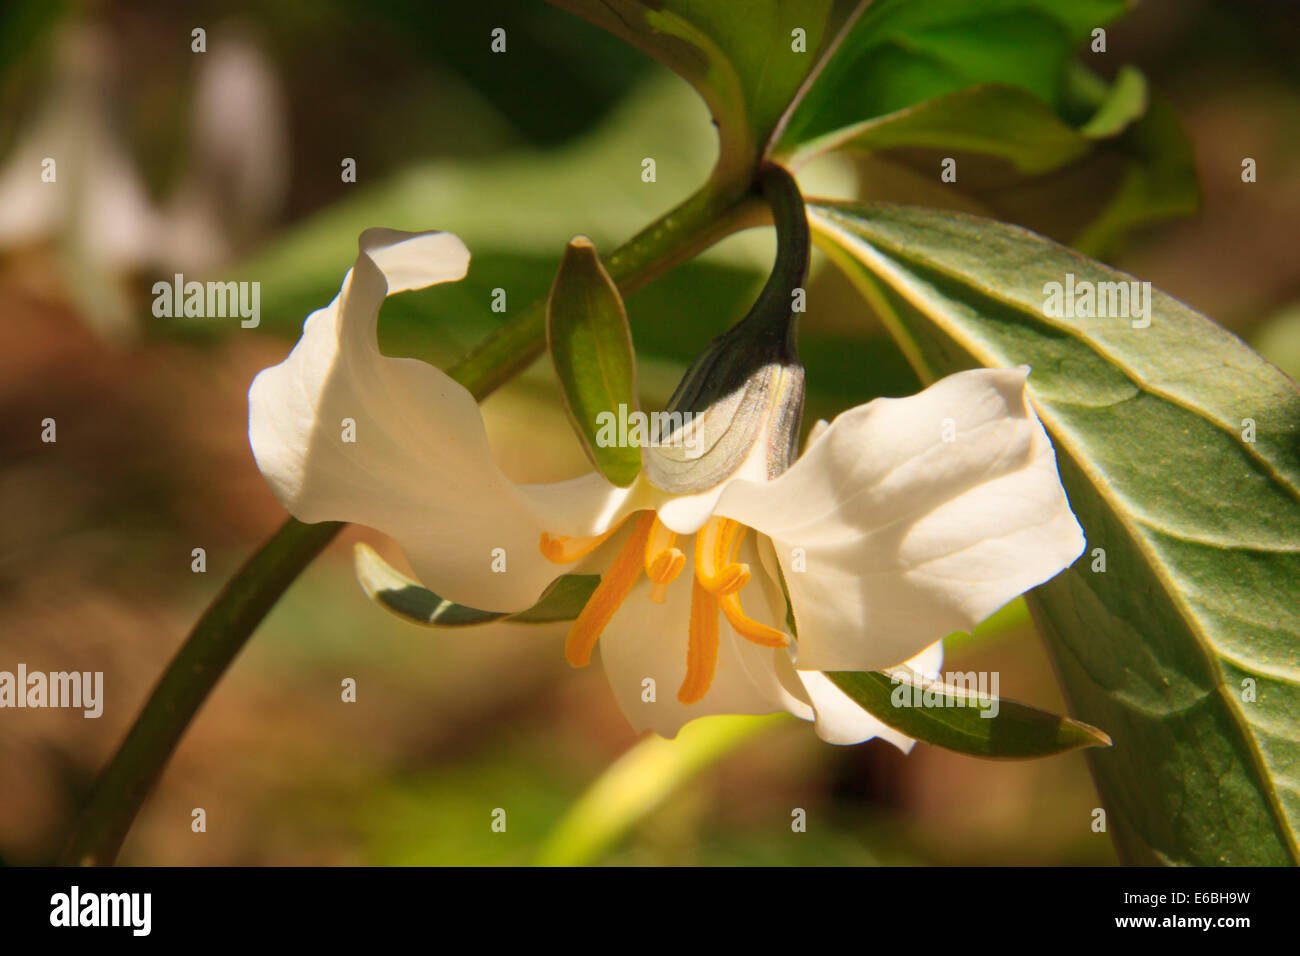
(591, 348)
(745, 61)
(901, 52)
(960, 718)
(1177, 446)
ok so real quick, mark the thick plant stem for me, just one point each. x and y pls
(235, 613)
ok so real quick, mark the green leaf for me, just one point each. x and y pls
(902, 52)
(742, 61)
(1185, 647)
(591, 348)
(960, 719)
(562, 601)
(1159, 181)
(1116, 107)
(997, 77)
(1157, 178)
(412, 602)
(1003, 121)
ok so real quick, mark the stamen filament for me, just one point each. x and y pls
(560, 549)
(715, 549)
(663, 562)
(609, 595)
(702, 652)
(747, 627)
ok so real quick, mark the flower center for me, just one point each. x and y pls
(715, 588)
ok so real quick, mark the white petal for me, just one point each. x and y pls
(420, 468)
(840, 720)
(908, 537)
(815, 433)
(650, 640)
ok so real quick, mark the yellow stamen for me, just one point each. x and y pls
(663, 562)
(732, 579)
(747, 627)
(702, 653)
(564, 550)
(715, 548)
(612, 591)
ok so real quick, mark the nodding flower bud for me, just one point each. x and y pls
(737, 410)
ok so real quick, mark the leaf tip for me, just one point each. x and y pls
(1087, 735)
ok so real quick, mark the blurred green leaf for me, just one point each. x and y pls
(1177, 446)
(1116, 107)
(591, 348)
(1278, 339)
(552, 80)
(413, 602)
(1159, 181)
(902, 52)
(514, 213)
(25, 27)
(747, 62)
(960, 719)
(641, 780)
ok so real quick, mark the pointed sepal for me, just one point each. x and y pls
(591, 348)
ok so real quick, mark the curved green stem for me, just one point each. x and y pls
(216, 639)
(233, 615)
(702, 220)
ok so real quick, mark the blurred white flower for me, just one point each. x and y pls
(97, 210)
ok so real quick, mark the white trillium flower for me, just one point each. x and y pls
(888, 537)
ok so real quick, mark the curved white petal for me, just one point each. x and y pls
(840, 720)
(419, 468)
(649, 640)
(891, 537)
(837, 718)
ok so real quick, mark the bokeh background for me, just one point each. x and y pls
(227, 164)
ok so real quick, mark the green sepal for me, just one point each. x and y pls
(591, 349)
(413, 602)
(957, 719)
